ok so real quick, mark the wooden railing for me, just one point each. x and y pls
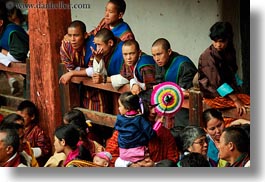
(10, 101)
(197, 106)
(15, 67)
(194, 102)
(70, 98)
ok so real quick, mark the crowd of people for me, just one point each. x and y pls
(141, 137)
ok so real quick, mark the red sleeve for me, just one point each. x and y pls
(172, 152)
(127, 36)
(113, 148)
(101, 25)
(163, 147)
(42, 141)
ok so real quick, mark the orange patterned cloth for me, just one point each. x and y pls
(224, 102)
(228, 121)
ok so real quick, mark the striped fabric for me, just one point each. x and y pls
(241, 161)
(121, 30)
(70, 57)
(127, 71)
(37, 138)
(97, 100)
(92, 99)
(224, 102)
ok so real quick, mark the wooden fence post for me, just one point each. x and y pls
(47, 26)
(195, 107)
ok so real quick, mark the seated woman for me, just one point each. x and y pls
(194, 140)
(214, 125)
(66, 138)
(76, 118)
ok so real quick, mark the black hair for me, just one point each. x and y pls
(69, 133)
(222, 30)
(145, 95)
(105, 35)
(165, 163)
(132, 42)
(17, 12)
(194, 159)
(77, 118)
(238, 137)
(78, 23)
(130, 101)
(12, 118)
(31, 109)
(120, 4)
(246, 127)
(208, 114)
(162, 41)
(3, 13)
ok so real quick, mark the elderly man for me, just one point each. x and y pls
(9, 148)
(234, 147)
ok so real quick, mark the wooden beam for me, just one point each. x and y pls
(99, 117)
(20, 68)
(47, 27)
(10, 101)
(103, 86)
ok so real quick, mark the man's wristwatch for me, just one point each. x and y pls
(104, 78)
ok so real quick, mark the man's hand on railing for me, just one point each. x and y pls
(97, 78)
(65, 78)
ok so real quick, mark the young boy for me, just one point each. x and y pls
(138, 69)
(39, 141)
(113, 20)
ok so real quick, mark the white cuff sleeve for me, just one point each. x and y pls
(7, 59)
(11, 58)
(117, 81)
(132, 82)
(99, 67)
(77, 68)
(4, 60)
(89, 71)
(37, 151)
